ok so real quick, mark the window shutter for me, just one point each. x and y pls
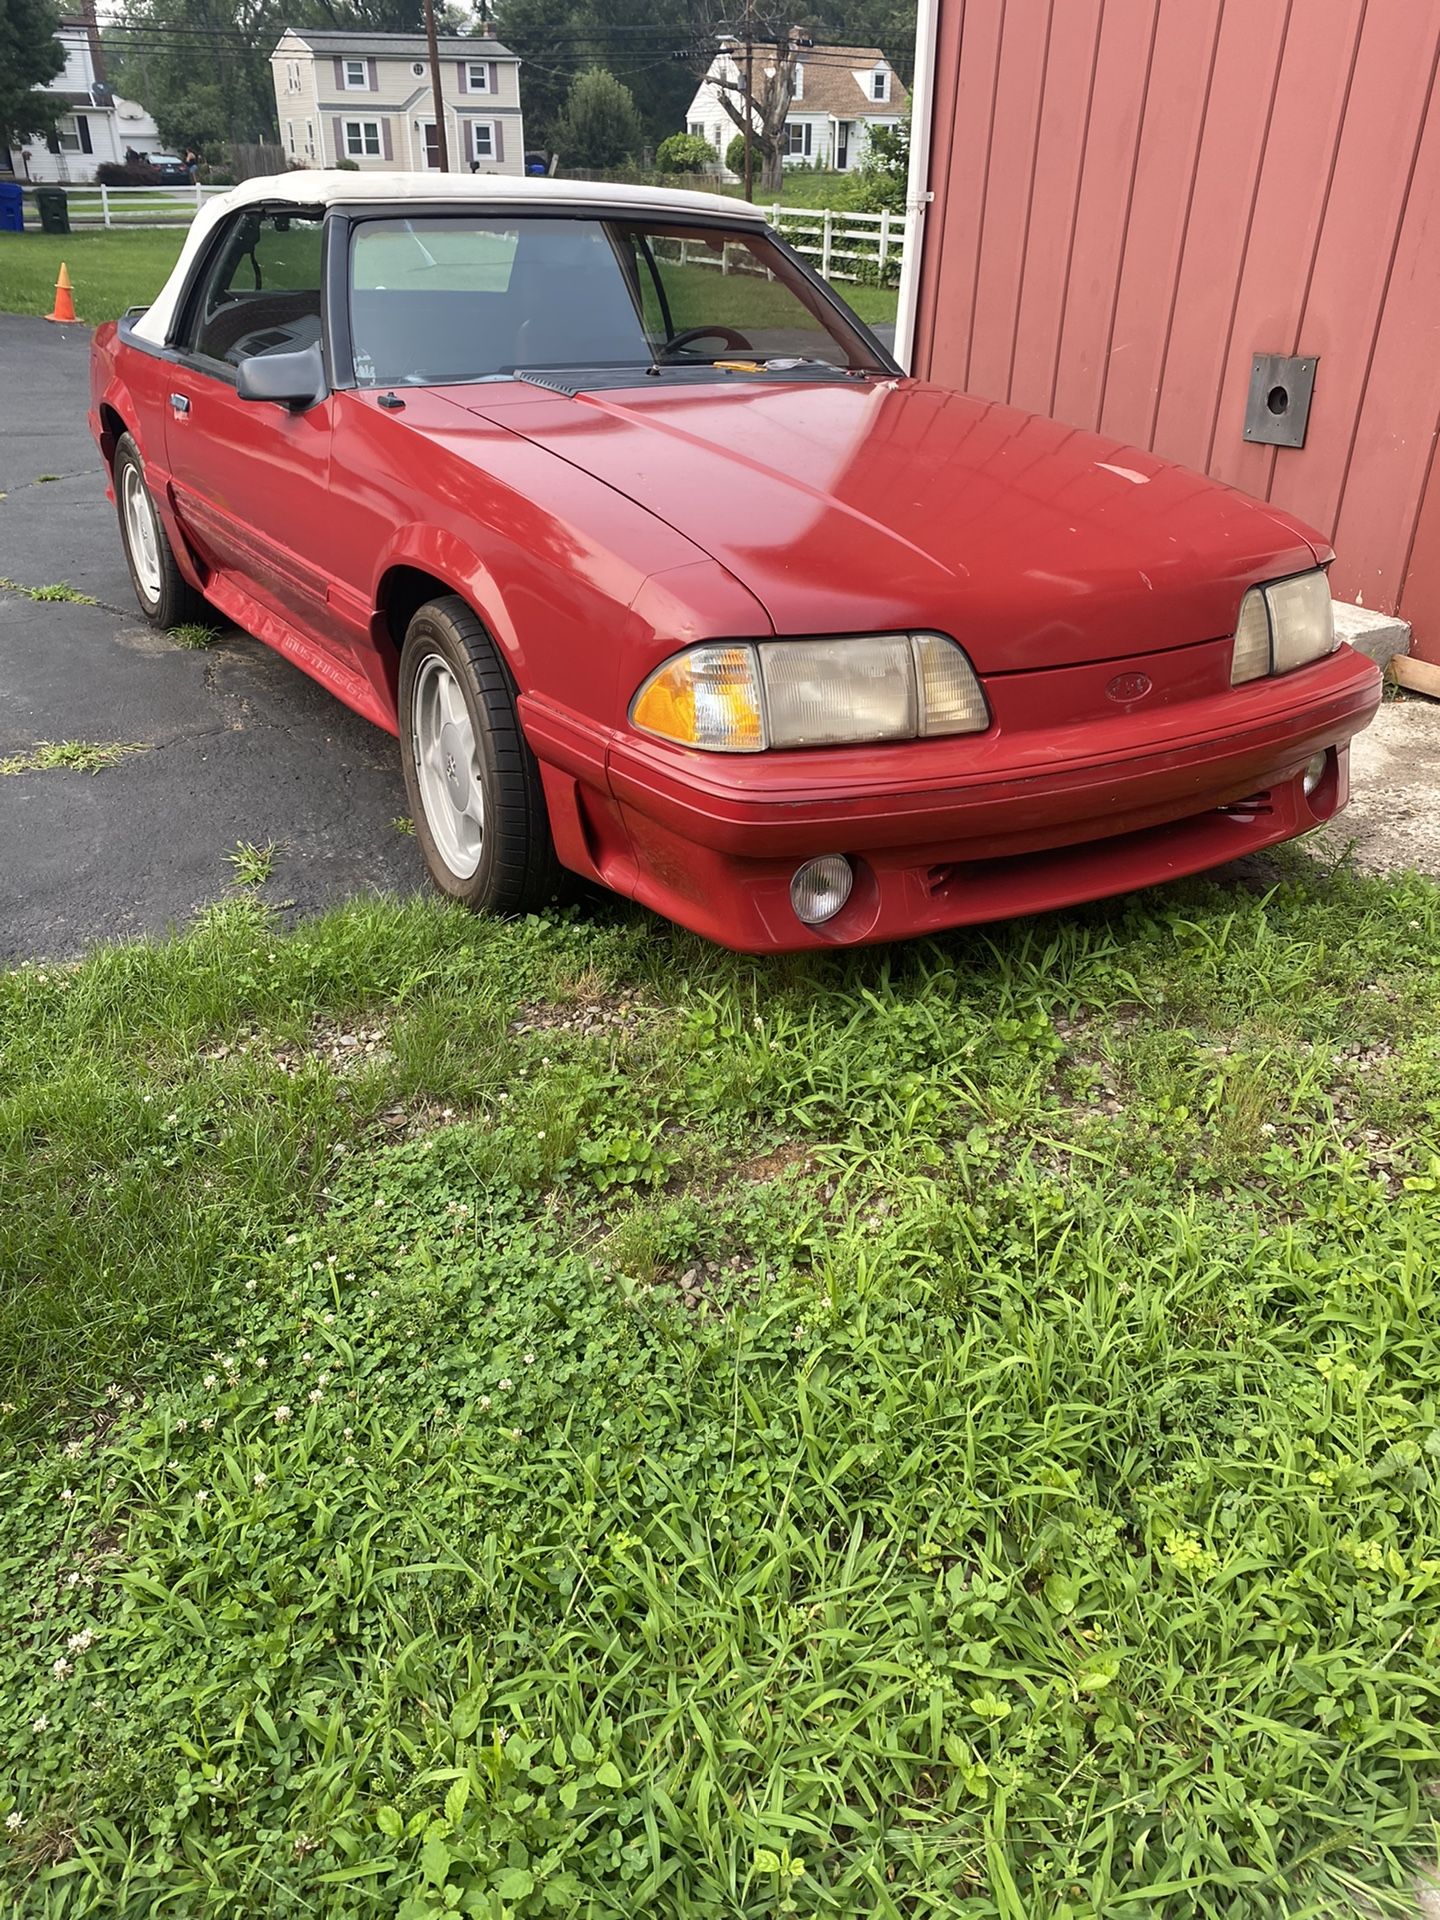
(339, 138)
(387, 151)
(494, 77)
(339, 74)
(497, 138)
(462, 68)
(372, 76)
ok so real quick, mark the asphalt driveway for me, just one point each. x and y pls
(241, 745)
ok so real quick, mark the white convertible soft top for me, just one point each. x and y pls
(320, 187)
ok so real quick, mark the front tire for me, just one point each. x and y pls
(472, 781)
(166, 597)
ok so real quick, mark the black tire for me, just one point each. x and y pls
(169, 600)
(517, 870)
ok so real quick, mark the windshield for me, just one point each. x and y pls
(443, 299)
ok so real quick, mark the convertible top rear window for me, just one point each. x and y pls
(441, 299)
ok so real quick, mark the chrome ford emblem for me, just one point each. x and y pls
(1129, 687)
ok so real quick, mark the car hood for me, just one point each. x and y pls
(870, 505)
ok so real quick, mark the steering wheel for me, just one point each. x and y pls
(735, 341)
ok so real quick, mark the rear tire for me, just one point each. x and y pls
(165, 595)
(472, 781)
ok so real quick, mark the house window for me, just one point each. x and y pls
(797, 139)
(482, 136)
(880, 84)
(71, 135)
(290, 136)
(292, 76)
(697, 129)
(310, 138)
(417, 67)
(799, 93)
(357, 76)
(362, 139)
(479, 76)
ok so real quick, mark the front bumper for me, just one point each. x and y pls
(947, 833)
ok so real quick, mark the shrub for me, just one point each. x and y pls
(684, 153)
(348, 166)
(735, 155)
(127, 173)
(884, 177)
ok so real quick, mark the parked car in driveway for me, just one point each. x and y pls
(663, 572)
(170, 170)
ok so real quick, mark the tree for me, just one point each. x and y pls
(545, 34)
(765, 102)
(684, 153)
(30, 55)
(599, 126)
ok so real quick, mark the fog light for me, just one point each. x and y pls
(821, 887)
(1315, 772)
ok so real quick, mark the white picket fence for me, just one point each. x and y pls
(127, 206)
(845, 245)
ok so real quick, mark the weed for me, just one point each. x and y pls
(402, 823)
(1033, 1509)
(45, 479)
(252, 865)
(76, 756)
(193, 634)
(58, 590)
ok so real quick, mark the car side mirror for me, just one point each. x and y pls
(287, 379)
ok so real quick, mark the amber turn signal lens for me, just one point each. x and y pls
(709, 697)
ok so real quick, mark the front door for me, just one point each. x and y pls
(842, 146)
(250, 478)
(432, 145)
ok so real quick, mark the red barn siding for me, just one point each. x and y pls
(1134, 196)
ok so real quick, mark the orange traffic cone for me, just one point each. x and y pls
(64, 299)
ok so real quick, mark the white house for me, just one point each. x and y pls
(94, 124)
(367, 97)
(840, 94)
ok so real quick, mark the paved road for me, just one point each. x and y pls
(244, 747)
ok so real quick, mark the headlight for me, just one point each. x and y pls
(1282, 626)
(742, 698)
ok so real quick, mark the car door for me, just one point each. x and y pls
(251, 478)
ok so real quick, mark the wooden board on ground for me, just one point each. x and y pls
(1419, 676)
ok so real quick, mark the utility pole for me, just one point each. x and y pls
(442, 151)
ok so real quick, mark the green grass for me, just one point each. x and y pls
(552, 1418)
(73, 756)
(113, 271)
(109, 271)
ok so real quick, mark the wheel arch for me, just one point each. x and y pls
(432, 570)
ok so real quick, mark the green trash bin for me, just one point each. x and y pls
(53, 208)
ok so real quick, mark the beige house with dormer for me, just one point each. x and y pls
(367, 98)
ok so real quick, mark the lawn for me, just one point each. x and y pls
(109, 271)
(554, 1419)
(113, 271)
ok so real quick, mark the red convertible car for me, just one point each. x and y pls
(664, 573)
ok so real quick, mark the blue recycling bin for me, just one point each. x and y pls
(12, 207)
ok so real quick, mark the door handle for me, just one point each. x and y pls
(179, 402)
